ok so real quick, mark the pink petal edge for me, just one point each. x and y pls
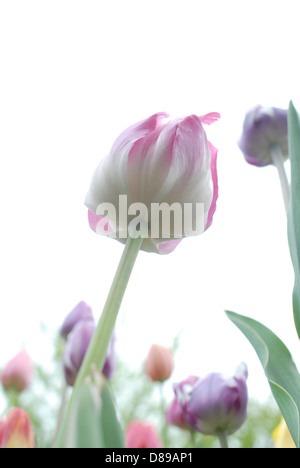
(167, 247)
(213, 167)
(210, 118)
(99, 224)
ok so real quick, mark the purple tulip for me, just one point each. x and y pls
(264, 128)
(215, 404)
(76, 347)
(175, 415)
(80, 312)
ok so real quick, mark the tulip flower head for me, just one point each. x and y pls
(18, 372)
(16, 430)
(141, 434)
(215, 404)
(81, 311)
(159, 182)
(264, 128)
(159, 363)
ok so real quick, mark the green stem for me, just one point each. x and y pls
(223, 439)
(97, 350)
(278, 162)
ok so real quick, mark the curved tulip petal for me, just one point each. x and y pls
(16, 431)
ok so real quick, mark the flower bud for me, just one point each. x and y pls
(16, 430)
(141, 434)
(81, 311)
(77, 344)
(159, 363)
(76, 347)
(18, 372)
(216, 403)
(157, 161)
(264, 128)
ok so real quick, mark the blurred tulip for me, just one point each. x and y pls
(17, 374)
(16, 430)
(76, 347)
(157, 160)
(263, 129)
(175, 415)
(82, 311)
(142, 435)
(282, 437)
(215, 404)
(159, 363)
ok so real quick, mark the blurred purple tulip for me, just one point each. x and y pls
(82, 311)
(77, 344)
(76, 347)
(215, 404)
(264, 128)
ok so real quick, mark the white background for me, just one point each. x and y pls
(73, 75)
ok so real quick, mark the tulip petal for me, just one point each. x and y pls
(17, 432)
(214, 174)
(99, 224)
(165, 248)
(210, 118)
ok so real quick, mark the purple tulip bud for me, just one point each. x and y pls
(264, 128)
(216, 403)
(76, 347)
(80, 312)
(77, 344)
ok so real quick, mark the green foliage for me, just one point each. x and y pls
(138, 398)
(279, 367)
(93, 422)
(294, 207)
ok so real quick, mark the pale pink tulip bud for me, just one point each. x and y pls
(82, 311)
(141, 434)
(264, 128)
(158, 164)
(159, 363)
(18, 372)
(16, 430)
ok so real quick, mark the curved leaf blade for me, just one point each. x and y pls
(93, 420)
(294, 207)
(279, 367)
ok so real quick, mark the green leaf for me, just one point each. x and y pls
(93, 421)
(279, 367)
(294, 207)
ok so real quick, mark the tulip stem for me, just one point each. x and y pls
(223, 439)
(278, 162)
(97, 350)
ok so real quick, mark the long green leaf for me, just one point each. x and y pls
(294, 207)
(93, 421)
(279, 367)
